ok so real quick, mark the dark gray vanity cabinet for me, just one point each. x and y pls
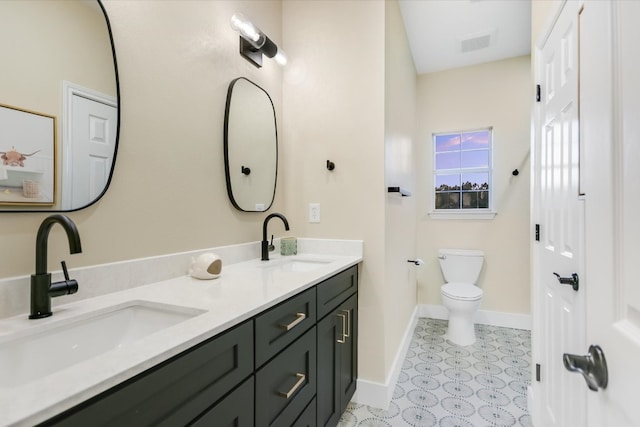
(294, 364)
(337, 346)
(176, 392)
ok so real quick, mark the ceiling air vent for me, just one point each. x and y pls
(476, 41)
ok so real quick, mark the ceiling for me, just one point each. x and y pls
(446, 34)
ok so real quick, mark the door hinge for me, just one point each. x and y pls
(538, 93)
(538, 372)
(537, 232)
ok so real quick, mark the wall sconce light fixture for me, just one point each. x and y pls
(254, 43)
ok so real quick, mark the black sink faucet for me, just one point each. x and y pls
(42, 290)
(265, 242)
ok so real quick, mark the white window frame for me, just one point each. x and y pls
(460, 213)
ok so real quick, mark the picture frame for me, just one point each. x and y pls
(27, 157)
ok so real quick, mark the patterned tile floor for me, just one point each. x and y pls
(445, 385)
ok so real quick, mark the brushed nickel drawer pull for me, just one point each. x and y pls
(348, 328)
(296, 386)
(344, 327)
(299, 318)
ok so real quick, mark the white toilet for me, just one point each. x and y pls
(460, 295)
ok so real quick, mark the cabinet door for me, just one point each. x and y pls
(235, 410)
(328, 397)
(337, 361)
(349, 352)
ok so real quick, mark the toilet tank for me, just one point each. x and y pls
(460, 265)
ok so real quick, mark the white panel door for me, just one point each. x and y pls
(560, 395)
(610, 93)
(94, 137)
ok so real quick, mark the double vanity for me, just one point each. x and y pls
(268, 343)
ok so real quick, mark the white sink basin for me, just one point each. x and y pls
(51, 347)
(296, 265)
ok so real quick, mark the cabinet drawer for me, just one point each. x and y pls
(235, 410)
(285, 385)
(336, 289)
(282, 324)
(174, 392)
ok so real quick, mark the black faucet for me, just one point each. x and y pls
(42, 290)
(265, 242)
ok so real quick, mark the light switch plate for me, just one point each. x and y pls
(314, 212)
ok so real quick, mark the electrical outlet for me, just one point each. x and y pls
(314, 212)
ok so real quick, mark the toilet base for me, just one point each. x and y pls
(461, 330)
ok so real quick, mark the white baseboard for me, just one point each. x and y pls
(485, 317)
(379, 395)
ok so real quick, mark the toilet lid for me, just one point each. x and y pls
(462, 291)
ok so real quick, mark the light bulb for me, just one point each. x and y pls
(280, 58)
(249, 31)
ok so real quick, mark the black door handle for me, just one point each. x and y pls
(592, 366)
(574, 280)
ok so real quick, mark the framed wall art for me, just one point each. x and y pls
(27, 157)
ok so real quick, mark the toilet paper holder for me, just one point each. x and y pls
(416, 261)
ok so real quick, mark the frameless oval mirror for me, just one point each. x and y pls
(250, 146)
(59, 104)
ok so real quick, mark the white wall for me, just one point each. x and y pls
(496, 94)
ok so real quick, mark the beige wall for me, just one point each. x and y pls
(334, 109)
(496, 94)
(400, 170)
(176, 59)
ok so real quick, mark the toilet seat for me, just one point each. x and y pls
(462, 291)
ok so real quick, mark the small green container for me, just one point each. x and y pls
(289, 246)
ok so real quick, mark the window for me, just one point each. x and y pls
(462, 171)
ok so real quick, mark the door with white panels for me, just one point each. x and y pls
(560, 214)
(588, 186)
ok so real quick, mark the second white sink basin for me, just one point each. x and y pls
(303, 265)
(296, 265)
(46, 349)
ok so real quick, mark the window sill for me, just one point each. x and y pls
(463, 214)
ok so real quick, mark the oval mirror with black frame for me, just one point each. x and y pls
(250, 146)
(59, 73)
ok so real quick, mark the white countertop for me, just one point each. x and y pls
(243, 290)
